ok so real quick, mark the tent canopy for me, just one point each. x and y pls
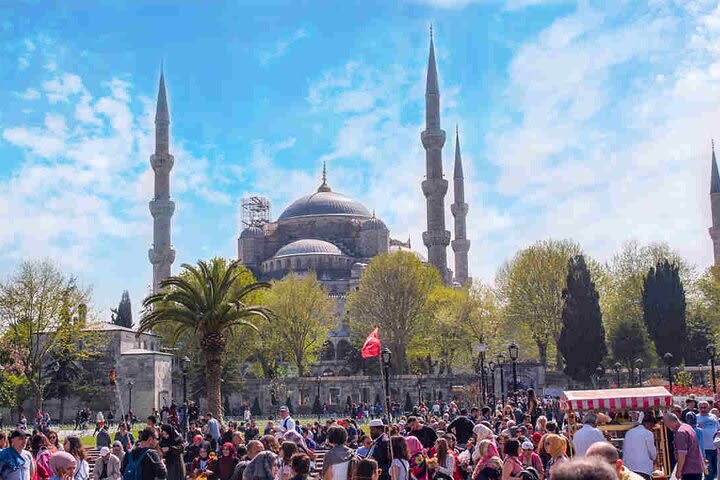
(617, 398)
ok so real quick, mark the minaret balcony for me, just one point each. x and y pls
(162, 208)
(459, 209)
(433, 139)
(460, 245)
(162, 163)
(434, 238)
(434, 187)
(161, 257)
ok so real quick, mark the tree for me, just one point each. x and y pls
(122, 315)
(393, 294)
(288, 403)
(531, 287)
(256, 410)
(664, 308)
(303, 316)
(582, 337)
(408, 403)
(210, 301)
(699, 334)
(628, 341)
(45, 314)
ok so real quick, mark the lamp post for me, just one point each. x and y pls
(514, 352)
(617, 368)
(130, 385)
(501, 365)
(318, 405)
(482, 348)
(184, 366)
(711, 352)
(600, 371)
(491, 366)
(639, 365)
(419, 385)
(385, 357)
(668, 359)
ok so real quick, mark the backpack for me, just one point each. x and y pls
(352, 466)
(529, 474)
(133, 469)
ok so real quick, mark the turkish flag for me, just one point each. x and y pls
(371, 347)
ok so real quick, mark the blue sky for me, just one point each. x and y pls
(584, 120)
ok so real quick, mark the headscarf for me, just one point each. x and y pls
(482, 432)
(557, 445)
(294, 437)
(61, 461)
(414, 445)
(487, 450)
(260, 467)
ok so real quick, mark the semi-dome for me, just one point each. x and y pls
(324, 202)
(308, 247)
(373, 224)
(252, 232)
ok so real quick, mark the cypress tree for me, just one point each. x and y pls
(664, 309)
(582, 337)
(256, 410)
(122, 315)
(408, 402)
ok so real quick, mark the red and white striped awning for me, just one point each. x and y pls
(617, 398)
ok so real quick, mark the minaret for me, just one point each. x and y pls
(459, 209)
(715, 207)
(434, 187)
(161, 207)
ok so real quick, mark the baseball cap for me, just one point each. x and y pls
(104, 451)
(284, 409)
(376, 423)
(18, 433)
(528, 445)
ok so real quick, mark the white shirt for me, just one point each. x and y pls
(287, 424)
(639, 450)
(585, 437)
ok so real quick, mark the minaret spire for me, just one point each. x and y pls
(459, 209)
(434, 187)
(161, 254)
(324, 187)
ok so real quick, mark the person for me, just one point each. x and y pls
(205, 464)
(338, 459)
(107, 466)
(75, 448)
(16, 463)
(263, 467)
(213, 426)
(380, 450)
(556, 446)
(587, 435)
(512, 466)
(124, 437)
(253, 448)
(606, 452)
(531, 459)
(400, 466)
(444, 461)
(691, 419)
(462, 427)
(251, 431)
(193, 450)
(103, 438)
(365, 444)
(63, 464)
(584, 469)
(690, 463)
(425, 434)
(172, 446)
(418, 462)
(709, 425)
(639, 451)
(367, 469)
(488, 465)
(145, 458)
(52, 436)
(286, 421)
(532, 405)
(118, 450)
(300, 465)
(227, 461)
(40, 449)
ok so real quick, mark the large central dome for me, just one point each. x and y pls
(324, 202)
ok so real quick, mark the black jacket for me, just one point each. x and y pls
(380, 451)
(153, 467)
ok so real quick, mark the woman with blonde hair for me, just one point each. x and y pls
(541, 424)
(489, 465)
(556, 446)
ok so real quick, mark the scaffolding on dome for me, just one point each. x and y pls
(255, 211)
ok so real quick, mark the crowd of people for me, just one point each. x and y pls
(524, 439)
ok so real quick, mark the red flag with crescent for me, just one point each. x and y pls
(371, 347)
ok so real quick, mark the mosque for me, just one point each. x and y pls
(325, 231)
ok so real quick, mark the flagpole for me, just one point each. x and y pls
(384, 375)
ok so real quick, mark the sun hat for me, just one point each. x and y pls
(526, 445)
(376, 423)
(104, 451)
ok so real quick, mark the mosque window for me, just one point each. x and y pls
(334, 396)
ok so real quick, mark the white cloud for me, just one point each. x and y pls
(29, 94)
(62, 87)
(281, 46)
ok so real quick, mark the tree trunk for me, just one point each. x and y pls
(37, 392)
(213, 374)
(62, 408)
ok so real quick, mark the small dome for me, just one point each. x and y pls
(308, 247)
(252, 232)
(373, 224)
(398, 248)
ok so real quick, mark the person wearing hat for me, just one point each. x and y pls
(529, 458)
(587, 435)
(107, 466)
(16, 463)
(380, 450)
(639, 451)
(286, 421)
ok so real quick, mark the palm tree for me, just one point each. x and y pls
(209, 302)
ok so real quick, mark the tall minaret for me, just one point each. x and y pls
(161, 207)
(459, 209)
(715, 207)
(434, 187)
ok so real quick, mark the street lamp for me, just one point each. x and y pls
(514, 352)
(501, 364)
(639, 365)
(617, 367)
(130, 385)
(668, 358)
(711, 352)
(385, 357)
(482, 348)
(420, 386)
(491, 366)
(184, 366)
